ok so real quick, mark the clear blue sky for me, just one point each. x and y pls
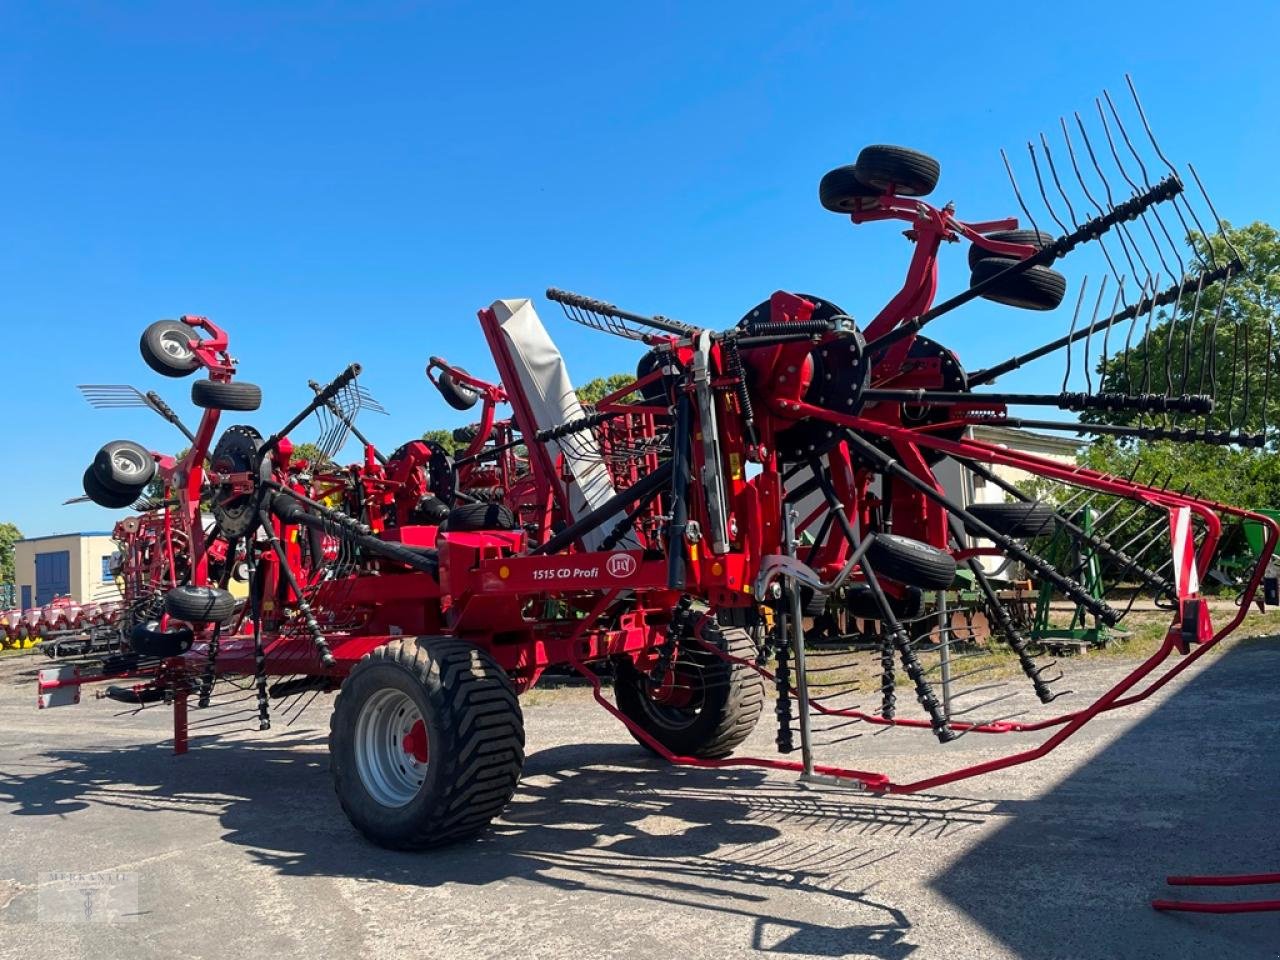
(351, 181)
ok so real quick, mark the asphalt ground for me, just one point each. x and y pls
(239, 849)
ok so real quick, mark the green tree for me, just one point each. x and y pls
(312, 454)
(1221, 340)
(9, 535)
(593, 391)
(445, 439)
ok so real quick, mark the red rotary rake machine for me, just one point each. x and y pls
(685, 529)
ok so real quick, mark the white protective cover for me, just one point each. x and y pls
(545, 383)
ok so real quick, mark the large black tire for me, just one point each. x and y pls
(479, 516)
(124, 467)
(1033, 237)
(149, 640)
(166, 348)
(465, 763)
(111, 499)
(840, 191)
(1020, 520)
(199, 604)
(907, 173)
(460, 396)
(237, 395)
(912, 562)
(725, 698)
(1036, 288)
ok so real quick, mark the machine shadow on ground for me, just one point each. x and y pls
(597, 818)
(1188, 790)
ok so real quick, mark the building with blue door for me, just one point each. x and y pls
(69, 564)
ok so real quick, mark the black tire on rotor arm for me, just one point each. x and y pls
(475, 741)
(893, 629)
(908, 173)
(199, 604)
(727, 697)
(1099, 608)
(840, 190)
(912, 562)
(164, 350)
(1036, 288)
(123, 466)
(236, 395)
(1020, 520)
(458, 395)
(150, 641)
(99, 494)
(1031, 237)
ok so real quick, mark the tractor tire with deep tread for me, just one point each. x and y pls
(840, 191)
(908, 173)
(99, 494)
(1036, 288)
(199, 604)
(472, 739)
(479, 516)
(237, 395)
(912, 562)
(1019, 520)
(731, 697)
(1033, 237)
(124, 467)
(166, 349)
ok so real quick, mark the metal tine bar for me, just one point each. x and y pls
(1147, 181)
(966, 711)
(1244, 400)
(1146, 353)
(1186, 229)
(367, 400)
(1093, 320)
(1075, 316)
(1222, 227)
(1266, 385)
(1143, 170)
(1126, 238)
(1106, 330)
(1035, 166)
(1231, 394)
(1008, 169)
(837, 741)
(828, 727)
(1186, 341)
(1000, 719)
(1213, 354)
(1053, 172)
(1160, 299)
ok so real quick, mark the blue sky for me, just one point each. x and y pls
(352, 181)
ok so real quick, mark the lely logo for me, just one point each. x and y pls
(621, 565)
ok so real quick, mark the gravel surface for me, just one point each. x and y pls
(240, 850)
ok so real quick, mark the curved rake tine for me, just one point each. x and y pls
(1142, 167)
(1008, 169)
(1035, 167)
(1075, 316)
(1123, 230)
